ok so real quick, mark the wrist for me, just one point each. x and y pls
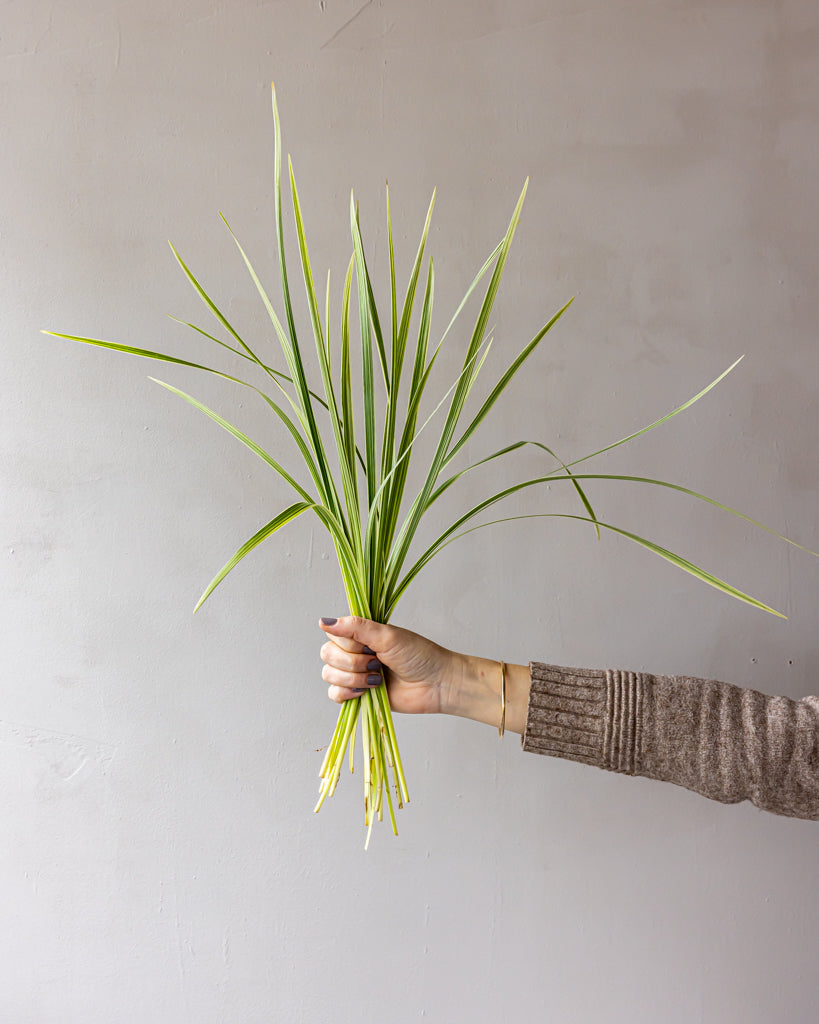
(473, 690)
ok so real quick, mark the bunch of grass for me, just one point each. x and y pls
(358, 492)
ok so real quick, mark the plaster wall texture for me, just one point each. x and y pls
(159, 859)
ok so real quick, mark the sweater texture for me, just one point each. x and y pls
(724, 742)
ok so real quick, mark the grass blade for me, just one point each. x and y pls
(239, 435)
(353, 522)
(275, 524)
(677, 560)
(411, 419)
(366, 354)
(506, 451)
(304, 410)
(374, 318)
(203, 295)
(504, 381)
(400, 347)
(663, 419)
(347, 415)
(393, 305)
(277, 202)
(420, 505)
(692, 494)
(146, 353)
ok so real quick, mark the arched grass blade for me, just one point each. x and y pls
(500, 387)
(203, 295)
(235, 351)
(239, 435)
(146, 353)
(506, 451)
(162, 357)
(663, 419)
(677, 560)
(692, 494)
(275, 524)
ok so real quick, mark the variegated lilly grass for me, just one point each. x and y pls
(358, 466)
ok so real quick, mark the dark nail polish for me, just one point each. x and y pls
(368, 650)
(328, 621)
(373, 680)
(374, 665)
(358, 689)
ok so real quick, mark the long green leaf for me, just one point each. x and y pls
(303, 407)
(374, 318)
(393, 305)
(384, 485)
(292, 350)
(275, 524)
(677, 560)
(362, 278)
(420, 504)
(692, 494)
(663, 419)
(346, 385)
(475, 282)
(508, 450)
(160, 356)
(352, 523)
(409, 431)
(197, 286)
(504, 381)
(145, 353)
(241, 436)
(236, 351)
(400, 347)
(277, 203)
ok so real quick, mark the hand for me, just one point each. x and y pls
(422, 678)
(420, 675)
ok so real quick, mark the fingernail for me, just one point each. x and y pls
(325, 621)
(358, 689)
(373, 680)
(374, 665)
(367, 650)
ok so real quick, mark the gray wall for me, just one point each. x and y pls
(160, 861)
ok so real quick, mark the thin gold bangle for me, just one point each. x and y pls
(502, 726)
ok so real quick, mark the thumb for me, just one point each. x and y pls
(355, 634)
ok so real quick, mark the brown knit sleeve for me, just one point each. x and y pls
(727, 743)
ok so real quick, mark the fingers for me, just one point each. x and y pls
(351, 680)
(348, 674)
(355, 634)
(348, 662)
(350, 665)
(341, 693)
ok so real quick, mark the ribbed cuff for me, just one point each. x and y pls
(588, 715)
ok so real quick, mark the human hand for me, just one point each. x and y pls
(420, 675)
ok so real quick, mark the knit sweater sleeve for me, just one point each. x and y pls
(727, 743)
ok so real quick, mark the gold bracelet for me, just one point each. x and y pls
(502, 725)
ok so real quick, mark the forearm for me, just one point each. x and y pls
(724, 742)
